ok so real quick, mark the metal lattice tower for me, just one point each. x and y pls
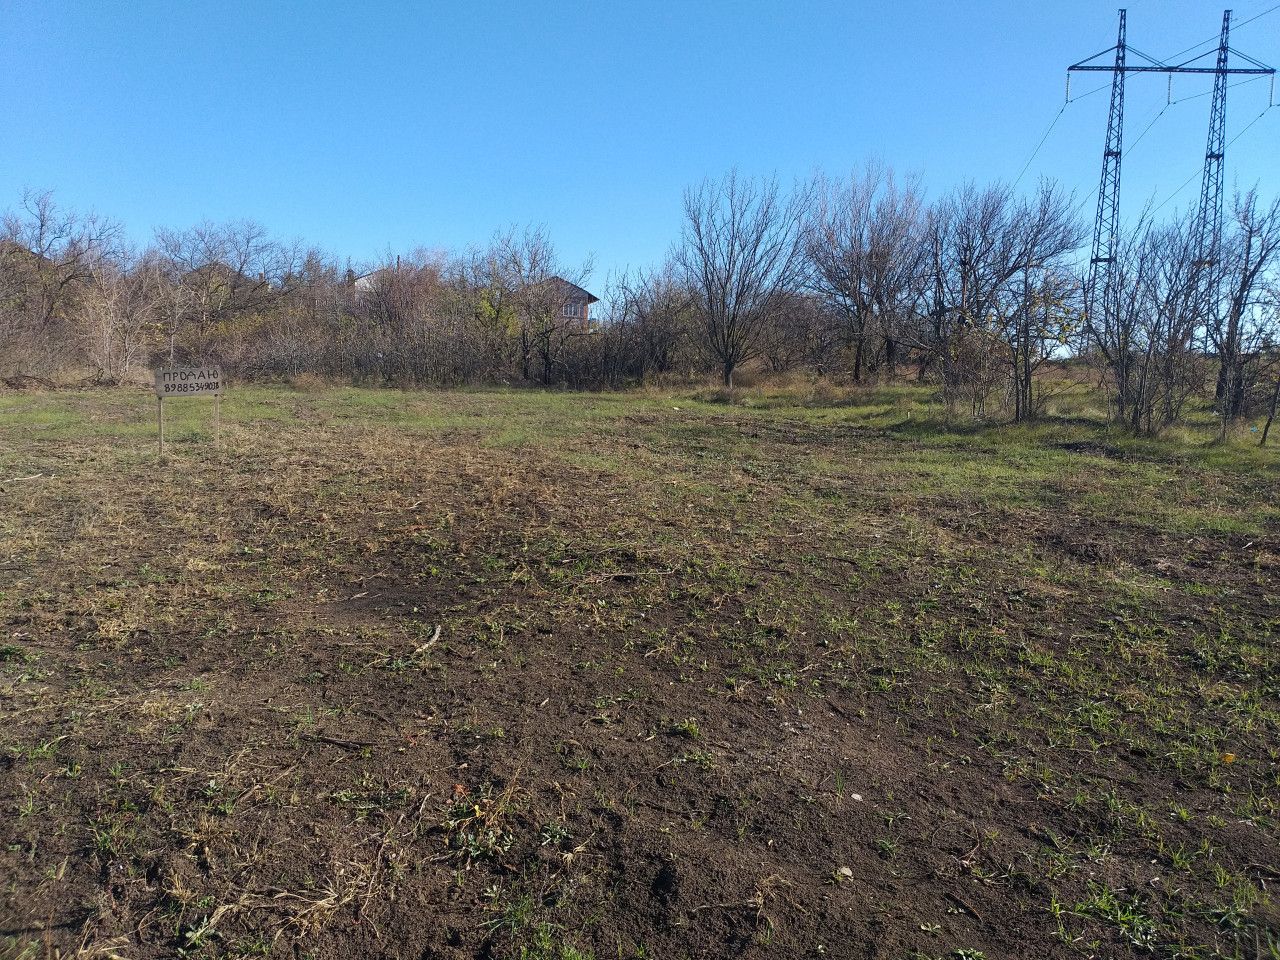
(1211, 188)
(1209, 218)
(1105, 227)
(1102, 300)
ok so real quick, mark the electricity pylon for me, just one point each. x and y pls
(1209, 218)
(1102, 261)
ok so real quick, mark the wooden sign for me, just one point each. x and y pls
(189, 382)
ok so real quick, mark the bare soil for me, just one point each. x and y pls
(509, 675)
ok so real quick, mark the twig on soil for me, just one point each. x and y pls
(34, 476)
(417, 652)
(965, 906)
(722, 906)
(337, 742)
(620, 574)
(430, 643)
(253, 788)
(369, 711)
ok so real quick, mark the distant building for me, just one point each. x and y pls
(570, 302)
(374, 279)
(575, 303)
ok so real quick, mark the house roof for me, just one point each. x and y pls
(364, 282)
(574, 292)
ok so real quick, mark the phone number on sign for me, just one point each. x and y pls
(209, 386)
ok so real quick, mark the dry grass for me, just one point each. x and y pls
(542, 675)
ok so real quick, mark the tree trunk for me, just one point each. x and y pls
(1271, 411)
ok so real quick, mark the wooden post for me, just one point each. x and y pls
(160, 420)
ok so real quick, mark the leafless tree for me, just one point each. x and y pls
(1114, 332)
(1147, 340)
(653, 314)
(1242, 328)
(525, 284)
(1035, 323)
(1271, 360)
(805, 330)
(742, 252)
(227, 273)
(392, 307)
(1163, 306)
(119, 308)
(48, 256)
(855, 275)
(307, 329)
(982, 243)
(864, 244)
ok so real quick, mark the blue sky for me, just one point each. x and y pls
(376, 126)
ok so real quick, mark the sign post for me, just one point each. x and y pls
(189, 382)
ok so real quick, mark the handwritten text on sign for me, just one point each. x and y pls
(189, 382)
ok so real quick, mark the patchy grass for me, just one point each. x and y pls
(549, 675)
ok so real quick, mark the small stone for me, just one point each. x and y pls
(845, 873)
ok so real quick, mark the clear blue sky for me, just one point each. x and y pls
(370, 126)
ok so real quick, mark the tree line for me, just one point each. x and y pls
(981, 293)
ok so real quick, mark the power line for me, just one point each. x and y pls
(1058, 116)
(1099, 285)
(1147, 128)
(1258, 16)
(1186, 182)
(1250, 124)
(1214, 39)
(1174, 103)
(1166, 200)
(1238, 83)
(1085, 201)
(1025, 166)
(1154, 120)
(1105, 86)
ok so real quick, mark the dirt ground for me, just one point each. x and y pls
(518, 675)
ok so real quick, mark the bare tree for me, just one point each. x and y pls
(1147, 341)
(741, 251)
(1271, 362)
(653, 313)
(1035, 324)
(118, 311)
(1164, 306)
(863, 243)
(1244, 327)
(47, 259)
(982, 243)
(306, 331)
(805, 330)
(1114, 334)
(528, 285)
(227, 272)
(394, 307)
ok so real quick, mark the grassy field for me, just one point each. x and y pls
(564, 676)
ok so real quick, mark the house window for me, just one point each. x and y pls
(570, 309)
